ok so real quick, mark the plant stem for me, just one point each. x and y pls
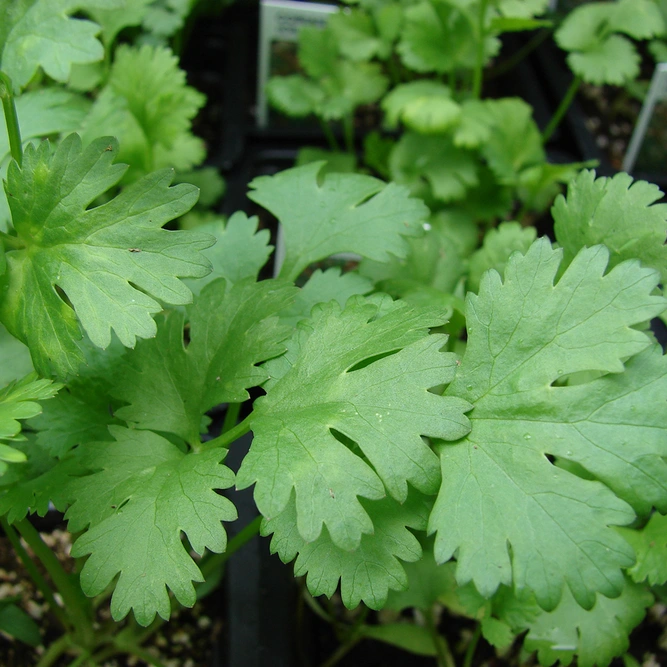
(348, 128)
(35, 574)
(11, 242)
(445, 657)
(231, 416)
(227, 438)
(12, 120)
(76, 603)
(326, 128)
(562, 109)
(520, 54)
(470, 651)
(54, 651)
(479, 65)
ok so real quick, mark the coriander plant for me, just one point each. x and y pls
(498, 432)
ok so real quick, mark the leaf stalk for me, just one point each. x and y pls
(11, 118)
(562, 109)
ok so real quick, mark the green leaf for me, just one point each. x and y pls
(147, 105)
(418, 159)
(19, 400)
(111, 262)
(423, 106)
(435, 260)
(650, 545)
(36, 485)
(522, 9)
(320, 407)
(294, 95)
(613, 62)
(596, 636)
(17, 624)
(368, 572)
(323, 287)
(143, 493)
(82, 411)
(41, 113)
(342, 213)
(15, 356)
(597, 53)
(407, 636)
(112, 20)
(515, 142)
(232, 328)
(498, 245)
(41, 33)
(428, 583)
(619, 212)
(475, 124)
(500, 492)
(336, 161)
(240, 251)
(357, 37)
(439, 37)
(318, 51)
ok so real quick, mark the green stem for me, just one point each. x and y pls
(348, 128)
(444, 653)
(470, 651)
(81, 660)
(326, 128)
(562, 109)
(342, 650)
(147, 657)
(11, 242)
(35, 575)
(481, 37)
(520, 54)
(231, 416)
(12, 120)
(60, 646)
(76, 603)
(394, 70)
(227, 438)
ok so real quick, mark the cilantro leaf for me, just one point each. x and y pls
(318, 405)
(475, 124)
(18, 400)
(449, 171)
(423, 106)
(232, 327)
(294, 95)
(515, 142)
(372, 569)
(240, 251)
(595, 636)
(323, 287)
(498, 245)
(357, 37)
(15, 355)
(96, 256)
(147, 105)
(37, 484)
(113, 19)
(343, 213)
(439, 37)
(650, 545)
(523, 9)
(597, 53)
(499, 488)
(143, 493)
(619, 212)
(41, 33)
(41, 113)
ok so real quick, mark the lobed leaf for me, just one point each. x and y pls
(342, 213)
(143, 492)
(650, 545)
(110, 262)
(169, 386)
(42, 33)
(370, 391)
(619, 212)
(368, 572)
(508, 513)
